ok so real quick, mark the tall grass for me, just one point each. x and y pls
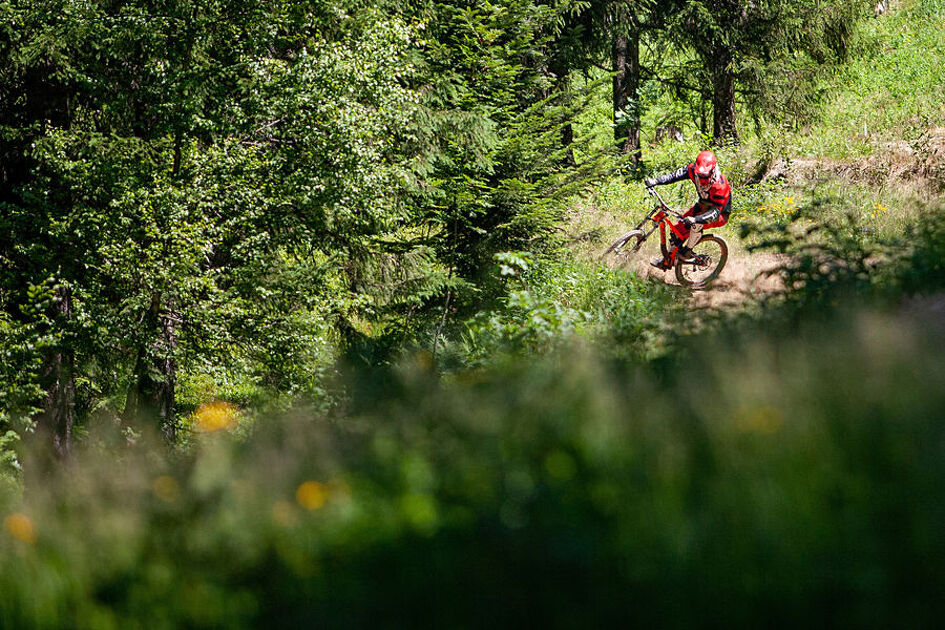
(792, 479)
(892, 92)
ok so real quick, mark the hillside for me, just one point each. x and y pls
(873, 151)
(304, 319)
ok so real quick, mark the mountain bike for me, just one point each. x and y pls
(696, 271)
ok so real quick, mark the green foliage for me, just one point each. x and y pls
(179, 172)
(772, 53)
(245, 192)
(567, 491)
(9, 462)
(493, 128)
(889, 92)
(922, 271)
(527, 320)
(706, 63)
(21, 345)
(556, 305)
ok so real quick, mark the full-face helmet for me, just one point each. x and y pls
(706, 165)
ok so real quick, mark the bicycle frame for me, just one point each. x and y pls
(696, 270)
(660, 218)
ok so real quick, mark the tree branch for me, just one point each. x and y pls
(652, 76)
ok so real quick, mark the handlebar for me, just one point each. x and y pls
(663, 204)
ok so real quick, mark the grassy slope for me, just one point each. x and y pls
(865, 153)
(893, 93)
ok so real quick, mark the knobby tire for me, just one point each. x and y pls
(712, 251)
(621, 250)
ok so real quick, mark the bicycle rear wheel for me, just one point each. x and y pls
(706, 263)
(623, 250)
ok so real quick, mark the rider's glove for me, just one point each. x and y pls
(649, 182)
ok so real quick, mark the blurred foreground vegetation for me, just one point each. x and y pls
(792, 480)
(776, 469)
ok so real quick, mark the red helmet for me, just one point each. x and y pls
(705, 164)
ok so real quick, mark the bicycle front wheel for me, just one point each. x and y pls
(623, 250)
(706, 263)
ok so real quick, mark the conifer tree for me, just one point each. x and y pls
(608, 35)
(769, 53)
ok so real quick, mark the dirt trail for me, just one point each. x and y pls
(917, 166)
(742, 280)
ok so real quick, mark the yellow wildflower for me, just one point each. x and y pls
(311, 495)
(215, 416)
(165, 488)
(20, 527)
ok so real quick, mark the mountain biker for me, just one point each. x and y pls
(712, 208)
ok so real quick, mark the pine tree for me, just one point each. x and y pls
(749, 48)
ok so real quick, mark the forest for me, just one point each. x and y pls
(304, 318)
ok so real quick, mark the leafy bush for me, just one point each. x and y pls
(557, 303)
(923, 269)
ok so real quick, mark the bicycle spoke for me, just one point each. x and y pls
(704, 265)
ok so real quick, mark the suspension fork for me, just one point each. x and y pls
(663, 243)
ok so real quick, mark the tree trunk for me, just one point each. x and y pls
(559, 71)
(723, 101)
(58, 416)
(626, 91)
(151, 395)
(163, 389)
(567, 139)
